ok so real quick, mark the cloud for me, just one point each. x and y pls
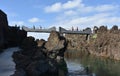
(34, 20)
(89, 21)
(79, 6)
(106, 7)
(97, 9)
(57, 7)
(72, 4)
(78, 14)
(70, 12)
(54, 8)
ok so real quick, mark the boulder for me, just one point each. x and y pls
(53, 40)
(19, 72)
(28, 43)
(41, 43)
(21, 60)
(56, 45)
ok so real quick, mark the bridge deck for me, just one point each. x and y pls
(61, 30)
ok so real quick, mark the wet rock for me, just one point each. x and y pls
(39, 55)
(20, 60)
(37, 68)
(19, 72)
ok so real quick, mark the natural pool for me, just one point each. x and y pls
(76, 63)
(97, 66)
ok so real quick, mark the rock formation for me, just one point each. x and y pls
(76, 42)
(15, 36)
(9, 35)
(41, 58)
(41, 43)
(3, 29)
(104, 42)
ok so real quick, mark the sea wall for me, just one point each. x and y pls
(103, 42)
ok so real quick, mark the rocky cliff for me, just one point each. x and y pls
(41, 58)
(3, 28)
(105, 42)
(9, 35)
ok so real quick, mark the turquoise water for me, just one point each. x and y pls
(97, 66)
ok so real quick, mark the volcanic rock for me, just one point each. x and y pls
(42, 59)
(41, 43)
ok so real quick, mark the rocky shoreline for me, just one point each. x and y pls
(46, 58)
(103, 42)
(41, 58)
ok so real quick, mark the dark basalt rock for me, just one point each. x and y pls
(3, 30)
(10, 36)
(41, 59)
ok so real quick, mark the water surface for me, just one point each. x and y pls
(7, 66)
(97, 66)
(76, 64)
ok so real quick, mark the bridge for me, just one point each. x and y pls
(61, 30)
(38, 29)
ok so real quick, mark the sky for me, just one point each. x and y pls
(64, 13)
